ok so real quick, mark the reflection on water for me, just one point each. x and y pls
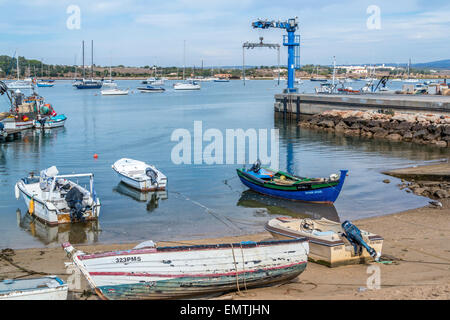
(76, 233)
(297, 209)
(152, 197)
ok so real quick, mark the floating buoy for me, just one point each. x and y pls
(95, 156)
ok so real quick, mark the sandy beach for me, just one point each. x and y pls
(416, 247)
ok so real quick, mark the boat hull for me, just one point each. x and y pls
(140, 185)
(191, 271)
(319, 195)
(37, 290)
(50, 124)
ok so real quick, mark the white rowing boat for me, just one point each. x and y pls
(148, 272)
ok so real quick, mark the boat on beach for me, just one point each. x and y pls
(54, 199)
(44, 288)
(284, 185)
(329, 242)
(139, 175)
(190, 271)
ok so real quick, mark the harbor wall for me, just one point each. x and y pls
(293, 105)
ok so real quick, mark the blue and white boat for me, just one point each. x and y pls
(44, 288)
(50, 122)
(44, 84)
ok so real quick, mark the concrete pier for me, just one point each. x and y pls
(291, 106)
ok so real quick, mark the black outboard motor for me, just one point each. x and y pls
(256, 166)
(152, 175)
(353, 235)
(74, 199)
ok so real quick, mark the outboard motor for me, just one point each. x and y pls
(353, 235)
(74, 199)
(256, 166)
(152, 175)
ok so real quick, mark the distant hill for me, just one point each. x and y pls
(441, 64)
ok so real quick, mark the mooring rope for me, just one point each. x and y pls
(235, 267)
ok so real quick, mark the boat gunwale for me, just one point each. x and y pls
(292, 234)
(201, 247)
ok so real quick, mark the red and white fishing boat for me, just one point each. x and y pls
(150, 272)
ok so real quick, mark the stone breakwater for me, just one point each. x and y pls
(430, 189)
(417, 128)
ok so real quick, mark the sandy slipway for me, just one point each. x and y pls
(419, 128)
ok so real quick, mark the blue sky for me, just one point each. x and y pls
(138, 32)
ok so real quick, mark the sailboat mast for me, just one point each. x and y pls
(92, 59)
(18, 72)
(184, 57)
(84, 71)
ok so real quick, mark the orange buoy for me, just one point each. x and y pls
(95, 156)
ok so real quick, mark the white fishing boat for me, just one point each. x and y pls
(139, 175)
(44, 288)
(54, 199)
(331, 243)
(151, 272)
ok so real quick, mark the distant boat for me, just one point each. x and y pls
(222, 80)
(114, 92)
(190, 271)
(44, 288)
(43, 84)
(151, 89)
(20, 84)
(186, 85)
(88, 84)
(113, 89)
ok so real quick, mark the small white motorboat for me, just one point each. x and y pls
(54, 199)
(114, 92)
(139, 175)
(44, 288)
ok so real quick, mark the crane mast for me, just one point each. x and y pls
(291, 41)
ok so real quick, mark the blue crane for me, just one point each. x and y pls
(291, 40)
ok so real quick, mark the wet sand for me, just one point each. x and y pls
(416, 241)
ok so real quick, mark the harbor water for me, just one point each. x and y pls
(201, 200)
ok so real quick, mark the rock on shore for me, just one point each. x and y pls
(418, 128)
